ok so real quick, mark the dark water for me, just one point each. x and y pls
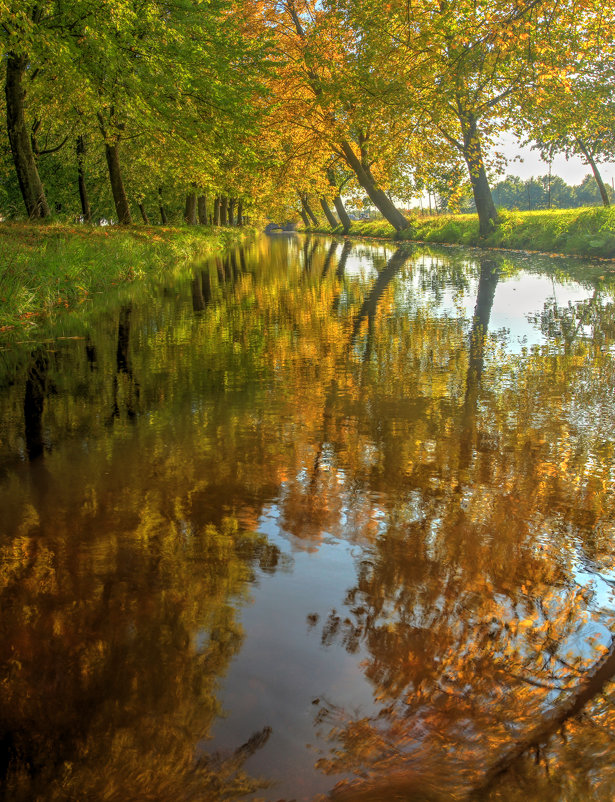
(314, 519)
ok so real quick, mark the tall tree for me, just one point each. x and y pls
(315, 49)
(569, 108)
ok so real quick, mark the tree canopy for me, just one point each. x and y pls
(209, 111)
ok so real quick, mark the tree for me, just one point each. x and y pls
(30, 33)
(316, 45)
(170, 90)
(569, 108)
(588, 193)
(452, 71)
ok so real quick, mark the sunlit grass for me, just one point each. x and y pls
(578, 232)
(46, 269)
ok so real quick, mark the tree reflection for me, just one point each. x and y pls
(201, 290)
(124, 377)
(83, 629)
(370, 304)
(474, 482)
(485, 295)
(475, 625)
(328, 259)
(34, 402)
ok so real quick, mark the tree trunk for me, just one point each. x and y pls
(223, 210)
(164, 220)
(339, 203)
(30, 184)
(239, 212)
(328, 213)
(86, 211)
(217, 210)
(231, 211)
(190, 210)
(590, 160)
(304, 217)
(143, 213)
(378, 197)
(472, 153)
(307, 209)
(117, 185)
(342, 213)
(202, 209)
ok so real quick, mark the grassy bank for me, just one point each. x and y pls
(47, 269)
(586, 232)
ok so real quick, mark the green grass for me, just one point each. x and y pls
(48, 269)
(588, 232)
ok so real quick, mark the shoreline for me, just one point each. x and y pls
(47, 270)
(585, 233)
(481, 248)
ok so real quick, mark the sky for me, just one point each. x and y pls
(527, 163)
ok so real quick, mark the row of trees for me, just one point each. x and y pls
(539, 192)
(285, 104)
(547, 192)
(148, 100)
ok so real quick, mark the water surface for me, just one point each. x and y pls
(313, 518)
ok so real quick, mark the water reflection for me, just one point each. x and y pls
(201, 290)
(124, 374)
(323, 489)
(487, 283)
(34, 401)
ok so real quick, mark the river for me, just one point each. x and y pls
(314, 519)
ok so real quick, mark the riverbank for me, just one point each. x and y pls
(587, 232)
(48, 268)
